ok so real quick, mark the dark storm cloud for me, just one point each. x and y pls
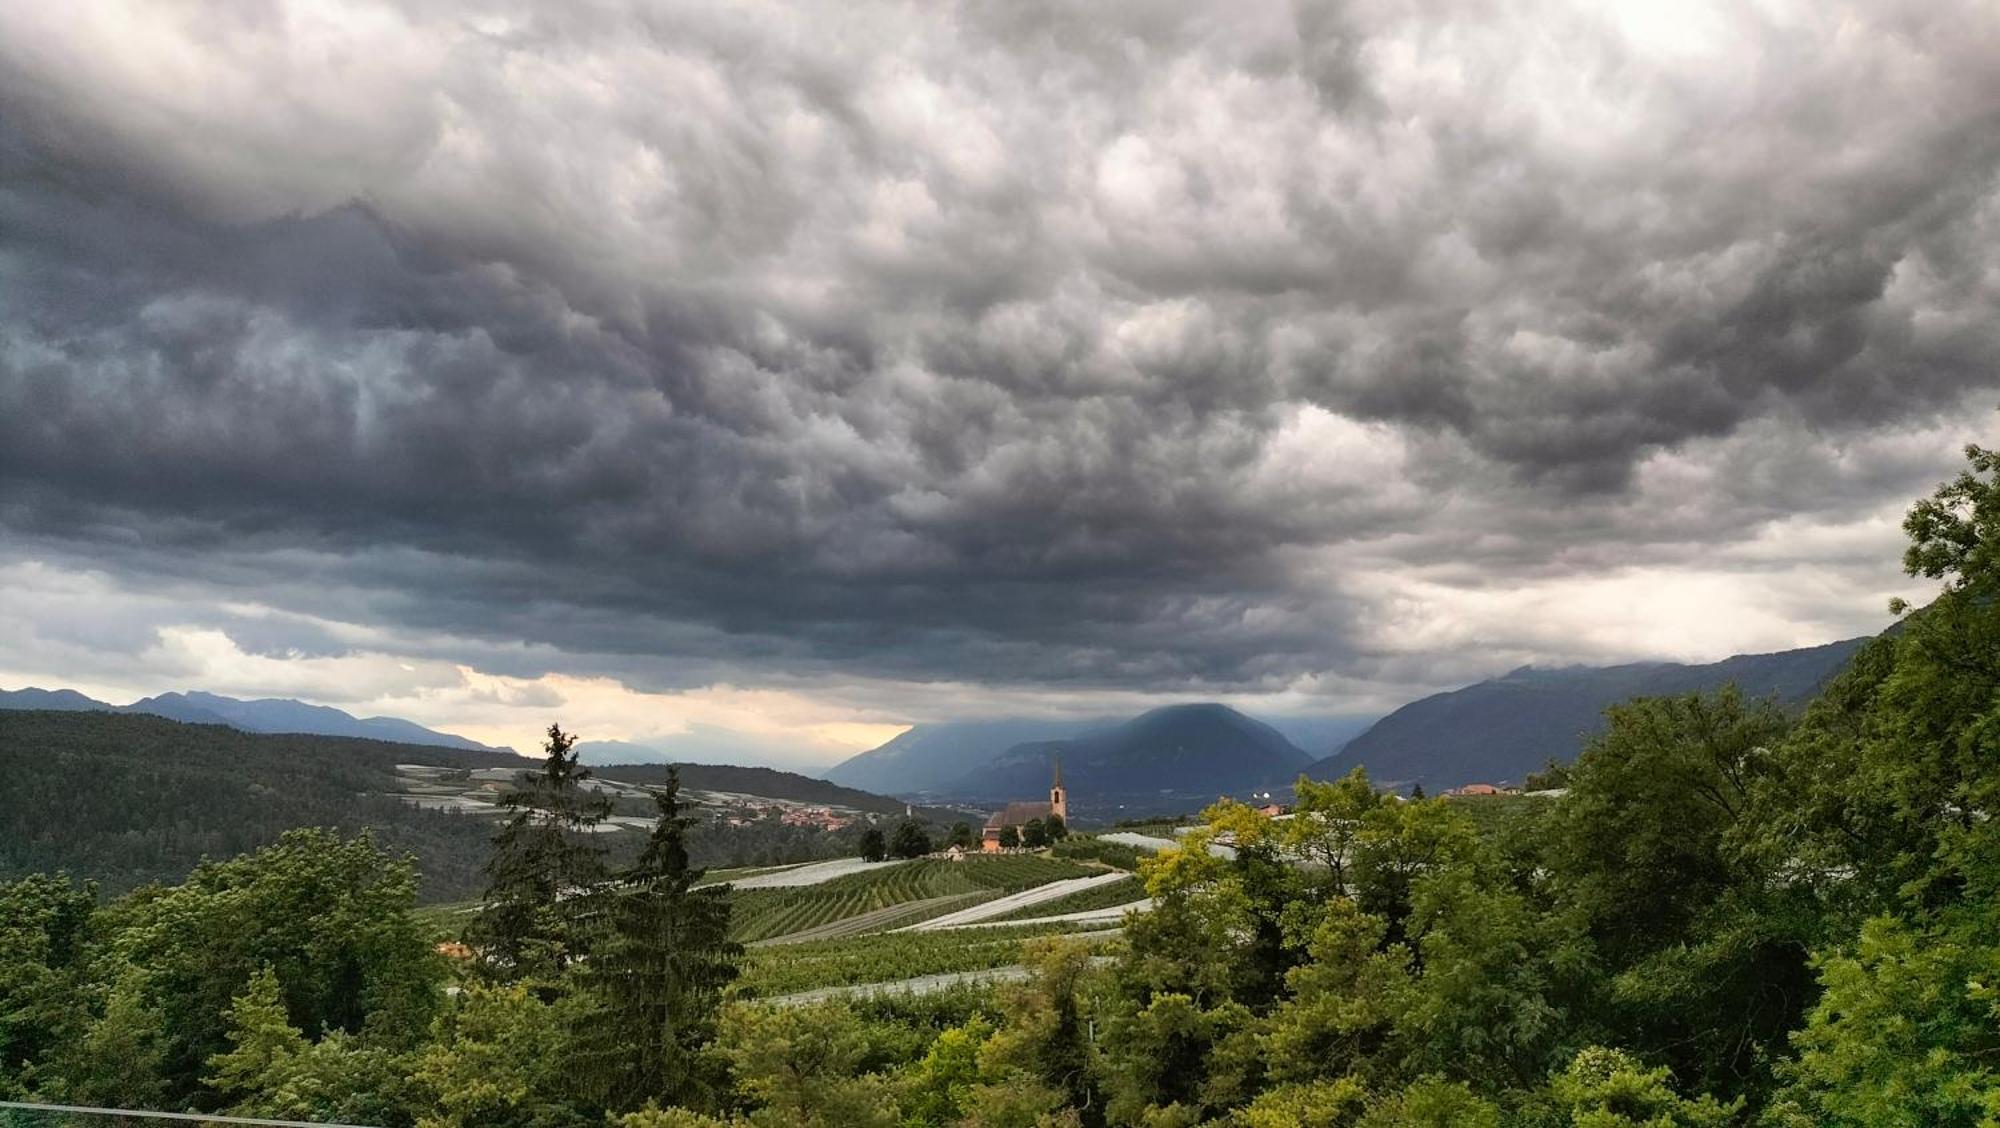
(994, 343)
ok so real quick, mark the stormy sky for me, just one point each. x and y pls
(756, 379)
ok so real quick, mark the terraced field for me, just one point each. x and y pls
(1107, 896)
(769, 971)
(1027, 898)
(880, 920)
(762, 914)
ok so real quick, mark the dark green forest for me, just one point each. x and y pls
(1733, 915)
(126, 800)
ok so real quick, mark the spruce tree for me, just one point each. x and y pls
(545, 870)
(658, 972)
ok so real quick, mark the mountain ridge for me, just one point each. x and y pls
(1196, 750)
(1500, 729)
(258, 715)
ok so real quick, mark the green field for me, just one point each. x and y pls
(1103, 897)
(762, 914)
(886, 958)
(1084, 847)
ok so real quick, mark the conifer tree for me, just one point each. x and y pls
(545, 869)
(658, 971)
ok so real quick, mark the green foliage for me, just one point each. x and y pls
(780, 970)
(546, 871)
(1035, 834)
(873, 848)
(1494, 1002)
(272, 1070)
(1170, 1053)
(1089, 848)
(1432, 1102)
(329, 918)
(803, 1066)
(1316, 1104)
(909, 841)
(44, 924)
(119, 1061)
(963, 836)
(1609, 1089)
(130, 800)
(1047, 1035)
(653, 1116)
(1904, 1036)
(657, 972)
(500, 1058)
(1337, 1017)
(934, 1092)
(1010, 838)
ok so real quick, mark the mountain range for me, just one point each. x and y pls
(1175, 757)
(1501, 729)
(270, 714)
(1495, 731)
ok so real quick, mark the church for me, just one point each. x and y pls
(1018, 815)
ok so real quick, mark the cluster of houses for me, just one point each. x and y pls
(1484, 789)
(817, 818)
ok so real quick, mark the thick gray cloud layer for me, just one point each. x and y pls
(1116, 346)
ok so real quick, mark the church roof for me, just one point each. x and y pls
(1018, 814)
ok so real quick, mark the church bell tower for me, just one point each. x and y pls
(1058, 798)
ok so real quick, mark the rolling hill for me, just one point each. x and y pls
(125, 798)
(1501, 729)
(1166, 757)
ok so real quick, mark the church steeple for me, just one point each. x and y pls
(1058, 798)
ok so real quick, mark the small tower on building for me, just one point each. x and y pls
(1058, 798)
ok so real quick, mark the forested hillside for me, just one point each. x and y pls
(126, 799)
(1504, 728)
(771, 783)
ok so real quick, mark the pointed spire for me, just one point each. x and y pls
(1058, 760)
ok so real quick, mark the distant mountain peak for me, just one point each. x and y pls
(1198, 749)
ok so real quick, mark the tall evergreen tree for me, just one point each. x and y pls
(546, 866)
(658, 971)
